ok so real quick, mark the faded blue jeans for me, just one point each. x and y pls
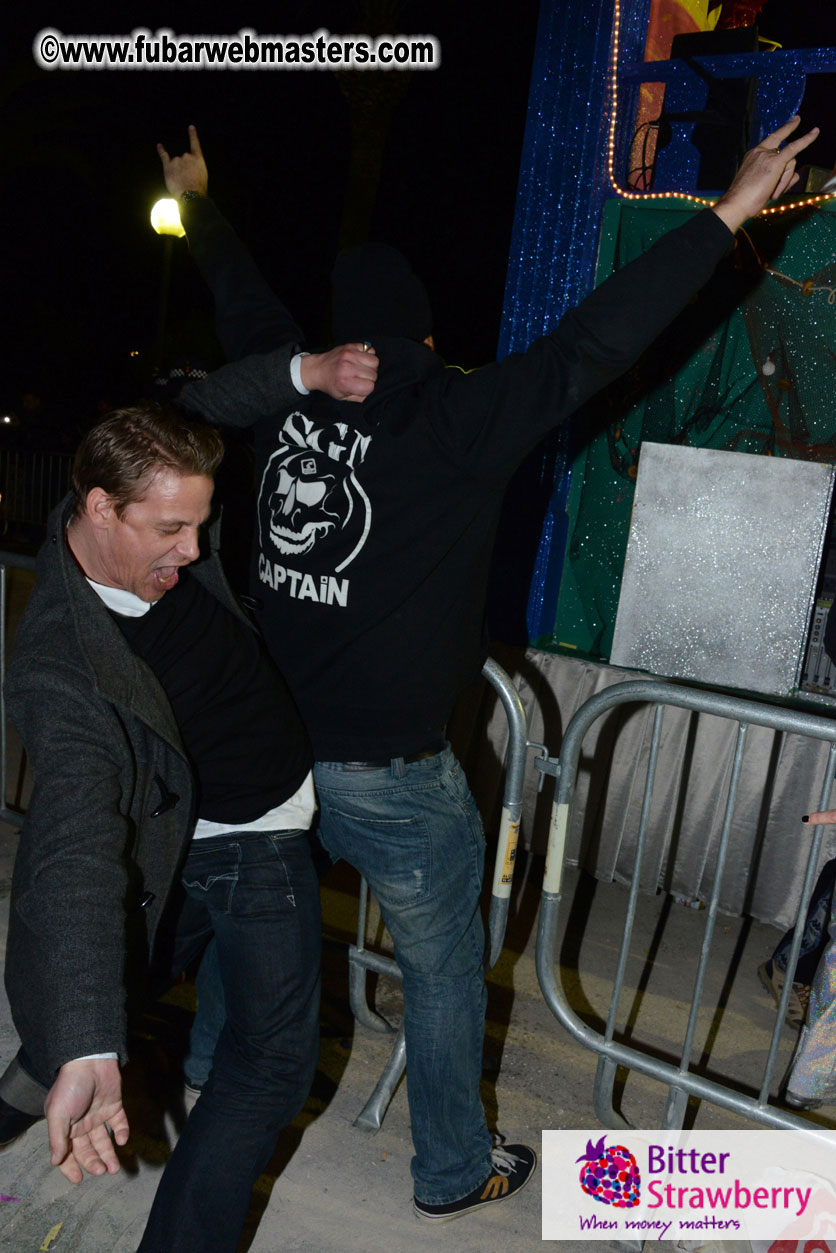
(414, 833)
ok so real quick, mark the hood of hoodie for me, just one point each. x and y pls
(403, 365)
(375, 291)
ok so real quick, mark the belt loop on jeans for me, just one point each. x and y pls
(397, 764)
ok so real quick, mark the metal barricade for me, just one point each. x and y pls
(362, 960)
(31, 484)
(8, 813)
(680, 1079)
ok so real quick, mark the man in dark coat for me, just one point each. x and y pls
(171, 804)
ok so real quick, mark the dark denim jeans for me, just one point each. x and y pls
(413, 831)
(208, 1022)
(816, 934)
(258, 894)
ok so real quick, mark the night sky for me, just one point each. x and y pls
(79, 173)
(82, 264)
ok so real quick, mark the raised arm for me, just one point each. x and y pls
(767, 171)
(187, 172)
(250, 318)
(252, 322)
(493, 416)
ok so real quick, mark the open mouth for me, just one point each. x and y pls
(165, 577)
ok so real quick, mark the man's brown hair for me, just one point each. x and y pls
(123, 454)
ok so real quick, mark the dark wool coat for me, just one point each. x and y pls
(110, 817)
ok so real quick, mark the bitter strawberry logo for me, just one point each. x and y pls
(610, 1174)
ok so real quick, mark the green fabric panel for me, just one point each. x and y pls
(702, 384)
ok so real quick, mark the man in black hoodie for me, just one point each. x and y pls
(375, 525)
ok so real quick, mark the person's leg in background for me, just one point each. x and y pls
(773, 973)
(208, 1021)
(812, 1076)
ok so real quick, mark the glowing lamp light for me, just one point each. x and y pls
(165, 218)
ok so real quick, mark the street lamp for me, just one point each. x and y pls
(165, 219)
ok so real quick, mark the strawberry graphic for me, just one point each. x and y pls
(610, 1175)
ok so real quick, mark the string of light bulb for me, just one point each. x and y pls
(623, 192)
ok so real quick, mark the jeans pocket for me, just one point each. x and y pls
(212, 875)
(393, 854)
(273, 868)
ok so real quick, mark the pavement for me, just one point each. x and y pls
(333, 1188)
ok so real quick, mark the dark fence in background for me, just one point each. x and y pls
(31, 484)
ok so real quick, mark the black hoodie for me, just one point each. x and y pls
(376, 521)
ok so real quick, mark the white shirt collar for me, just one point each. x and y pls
(121, 601)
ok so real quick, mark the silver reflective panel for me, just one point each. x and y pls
(721, 567)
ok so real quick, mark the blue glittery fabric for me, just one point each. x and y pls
(563, 187)
(560, 198)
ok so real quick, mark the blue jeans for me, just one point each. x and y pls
(816, 934)
(258, 895)
(414, 833)
(208, 1023)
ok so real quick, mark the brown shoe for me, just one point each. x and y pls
(773, 981)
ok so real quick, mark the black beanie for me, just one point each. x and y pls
(375, 292)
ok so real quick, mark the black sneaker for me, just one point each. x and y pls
(513, 1166)
(13, 1123)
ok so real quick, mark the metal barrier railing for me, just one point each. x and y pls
(8, 813)
(31, 484)
(680, 1079)
(362, 960)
